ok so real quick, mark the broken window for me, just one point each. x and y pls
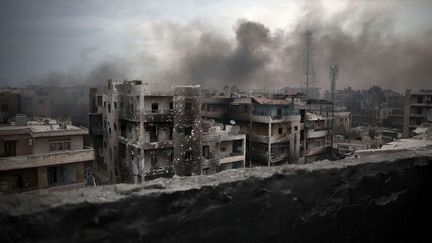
(188, 105)
(109, 108)
(104, 104)
(154, 160)
(222, 149)
(152, 133)
(420, 99)
(115, 126)
(99, 100)
(154, 107)
(206, 151)
(115, 105)
(295, 128)
(188, 131)
(10, 148)
(171, 105)
(280, 130)
(188, 155)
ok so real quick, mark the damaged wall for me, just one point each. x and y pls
(369, 200)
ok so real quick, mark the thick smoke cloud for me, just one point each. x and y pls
(361, 39)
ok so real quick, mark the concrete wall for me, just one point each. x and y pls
(22, 144)
(42, 145)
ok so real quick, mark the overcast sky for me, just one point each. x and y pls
(74, 41)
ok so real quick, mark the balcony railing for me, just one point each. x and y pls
(170, 111)
(53, 158)
(154, 173)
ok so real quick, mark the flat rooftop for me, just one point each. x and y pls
(47, 127)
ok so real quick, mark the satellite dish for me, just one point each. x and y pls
(212, 122)
(232, 122)
(429, 115)
(235, 129)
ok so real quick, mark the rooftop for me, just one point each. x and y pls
(46, 127)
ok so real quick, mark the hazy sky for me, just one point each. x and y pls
(66, 42)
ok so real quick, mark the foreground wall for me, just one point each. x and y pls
(372, 199)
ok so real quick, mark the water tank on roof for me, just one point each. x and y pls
(20, 120)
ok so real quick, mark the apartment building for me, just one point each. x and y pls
(222, 147)
(319, 128)
(417, 105)
(142, 131)
(10, 105)
(42, 154)
(272, 125)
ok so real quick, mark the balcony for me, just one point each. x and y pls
(158, 115)
(267, 117)
(166, 172)
(54, 158)
(129, 115)
(317, 134)
(232, 158)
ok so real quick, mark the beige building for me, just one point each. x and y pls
(417, 105)
(42, 155)
(273, 125)
(222, 147)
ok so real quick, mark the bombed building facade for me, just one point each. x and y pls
(272, 125)
(417, 109)
(141, 132)
(43, 154)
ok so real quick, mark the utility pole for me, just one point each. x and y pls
(308, 59)
(333, 75)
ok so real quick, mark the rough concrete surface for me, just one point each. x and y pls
(371, 199)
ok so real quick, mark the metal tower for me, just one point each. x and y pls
(333, 75)
(308, 60)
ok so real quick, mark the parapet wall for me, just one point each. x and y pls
(374, 199)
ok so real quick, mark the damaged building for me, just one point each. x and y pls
(319, 128)
(417, 106)
(141, 131)
(222, 147)
(42, 155)
(272, 125)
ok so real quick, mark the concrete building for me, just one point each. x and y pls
(42, 155)
(141, 131)
(222, 147)
(10, 105)
(417, 105)
(342, 122)
(272, 125)
(319, 128)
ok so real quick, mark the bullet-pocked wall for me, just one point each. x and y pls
(187, 127)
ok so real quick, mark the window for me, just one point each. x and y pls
(295, 128)
(104, 104)
(171, 105)
(4, 107)
(188, 131)
(188, 155)
(222, 149)
(188, 105)
(154, 107)
(121, 105)
(205, 171)
(109, 108)
(115, 105)
(99, 100)
(280, 130)
(154, 160)
(206, 151)
(10, 148)
(115, 126)
(59, 145)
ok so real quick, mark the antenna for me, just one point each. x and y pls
(333, 75)
(308, 61)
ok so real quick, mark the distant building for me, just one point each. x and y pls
(141, 132)
(416, 107)
(342, 122)
(222, 147)
(42, 155)
(10, 105)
